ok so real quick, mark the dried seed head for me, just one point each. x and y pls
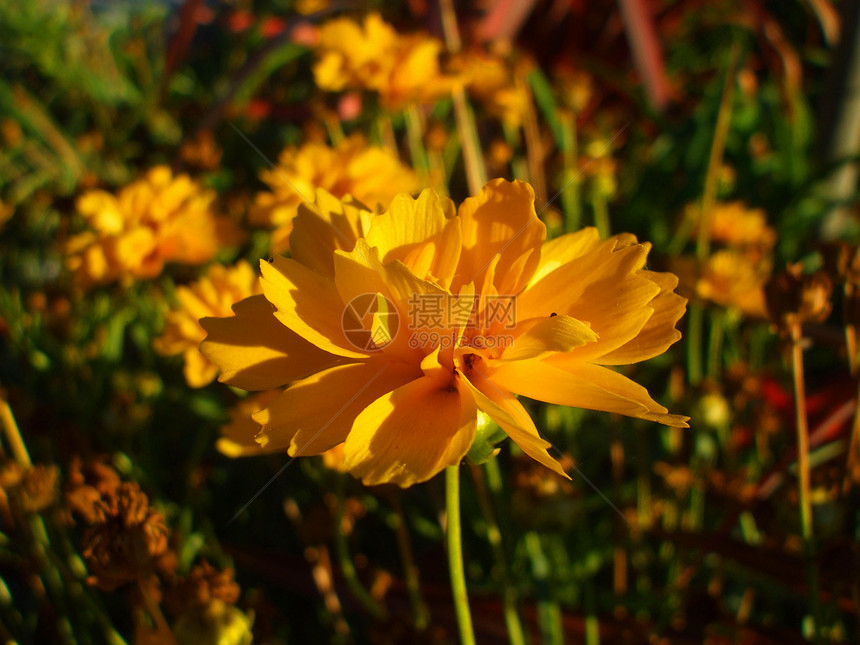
(126, 540)
(794, 298)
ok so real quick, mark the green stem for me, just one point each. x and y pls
(415, 134)
(601, 214)
(345, 561)
(494, 537)
(715, 346)
(410, 569)
(549, 613)
(803, 477)
(694, 343)
(455, 555)
(715, 159)
(570, 195)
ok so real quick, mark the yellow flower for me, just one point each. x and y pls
(403, 69)
(211, 295)
(492, 82)
(156, 219)
(371, 174)
(394, 330)
(735, 224)
(735, 279)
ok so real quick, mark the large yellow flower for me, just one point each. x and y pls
(371, 174)
(156, 219)
(392, 331)
(212, 295)
(403, 69)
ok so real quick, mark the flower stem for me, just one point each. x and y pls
(415, 134)
(803, 476)
(494, 537)
(570, 197)
(455, 555)
(410, 569)
(476, 172)
(345, 561)
(601, 214)
(13, 435)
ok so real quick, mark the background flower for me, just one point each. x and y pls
(212, 295)
(154, 220)
(371, 174)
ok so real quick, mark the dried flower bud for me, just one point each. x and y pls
(205, 583)
(841, 262)
(793, 298)
(85, 486)
(126, 540)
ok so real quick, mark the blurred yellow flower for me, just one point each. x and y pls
(371, 174)
(735, 279)
(735, 224)
(491, 80)
(403, 69)
(212, 295)
(392, 331)
(154, 220)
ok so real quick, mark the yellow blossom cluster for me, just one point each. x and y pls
(402, 69)
(154, 220)
(400, 389)
(734, 276)
(371, 174)
(212, 295)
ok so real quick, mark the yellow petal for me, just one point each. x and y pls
(238, 435)
(604, 288)
(563, 249)
(422, 233)
(499, 220)
(256, 352)
(556, 334)
(503, 408)
(329, 225)
(198, 370)
(308, 304)
(316, 413)
(659, 332)
(562, 380)
(407, 436)
(408, 222)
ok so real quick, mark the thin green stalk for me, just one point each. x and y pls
(13, 435)
(386, 131)
(519, 167)
(473, 158)
(715, 159)
(715, 346)
(410, 569)
(345, 561)
(694, 343)
(455, 555)
(601, 214)
(803, 479)
(549, 613)
(415, 134)
(570, 198)
(703, 243)
(494, 536)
